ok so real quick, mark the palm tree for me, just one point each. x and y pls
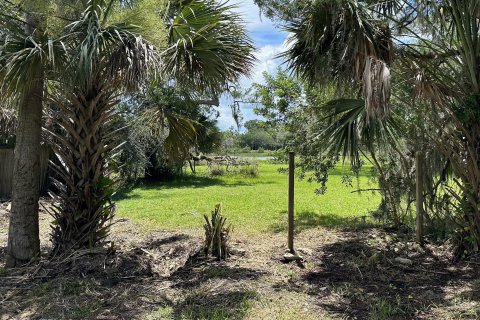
(437, 48)
(23, 60)
(208, 49)
(346, 44)
(343, 42)
(105, 61)
(208, 46)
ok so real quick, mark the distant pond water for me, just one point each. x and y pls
(255, 157)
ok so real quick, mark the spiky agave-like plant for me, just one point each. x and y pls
(217, 233)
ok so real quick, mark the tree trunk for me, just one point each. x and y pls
(419, 163)
(23, 232)
(83, 210)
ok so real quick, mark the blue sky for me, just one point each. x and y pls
(269, 41)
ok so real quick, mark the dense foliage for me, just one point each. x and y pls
(401, 76)
(80, 61)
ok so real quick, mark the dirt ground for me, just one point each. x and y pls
(366, 273)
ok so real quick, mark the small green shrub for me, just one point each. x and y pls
(217, 234)
(261, 150)
(216, 170)
(249, 170)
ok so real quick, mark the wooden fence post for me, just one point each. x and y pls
(291, 197)
(419, 159)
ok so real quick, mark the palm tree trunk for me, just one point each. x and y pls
(23, 231)
(83, 210)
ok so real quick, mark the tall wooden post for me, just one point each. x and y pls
(291, 194)
(419, 159)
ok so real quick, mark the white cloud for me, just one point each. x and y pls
(225, 121)
(251, 15)
(268, 60)
(270, 42)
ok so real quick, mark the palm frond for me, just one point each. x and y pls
(177, 133)
(181, 136)
(208, 45)
(26, 54)
(342, 41)
(353, 129)
(114, 52)
(8, 125)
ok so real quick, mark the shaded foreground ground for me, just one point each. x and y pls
(346, 274)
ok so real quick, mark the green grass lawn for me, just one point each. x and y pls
(252, 205)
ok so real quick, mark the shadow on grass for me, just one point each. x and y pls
(307, 219)
(131, 284)
(184, 182)
(230, 304)
(205, 270)
(358, 277)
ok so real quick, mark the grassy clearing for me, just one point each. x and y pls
(252, 205)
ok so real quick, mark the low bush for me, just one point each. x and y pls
(245, 150)
(249, 170)
(216, 170)
(280, 156)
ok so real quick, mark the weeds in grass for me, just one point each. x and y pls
(41, 290)
(382, 309)
(162, 313)
(292, 276)
(344, 290)
(85, 310)
(249, 170)
(216, 170)
(204, 304)
(216, 272)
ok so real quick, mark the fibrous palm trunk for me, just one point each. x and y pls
(84, 140)
(461, 145)
(470, 202)
(23, 232)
